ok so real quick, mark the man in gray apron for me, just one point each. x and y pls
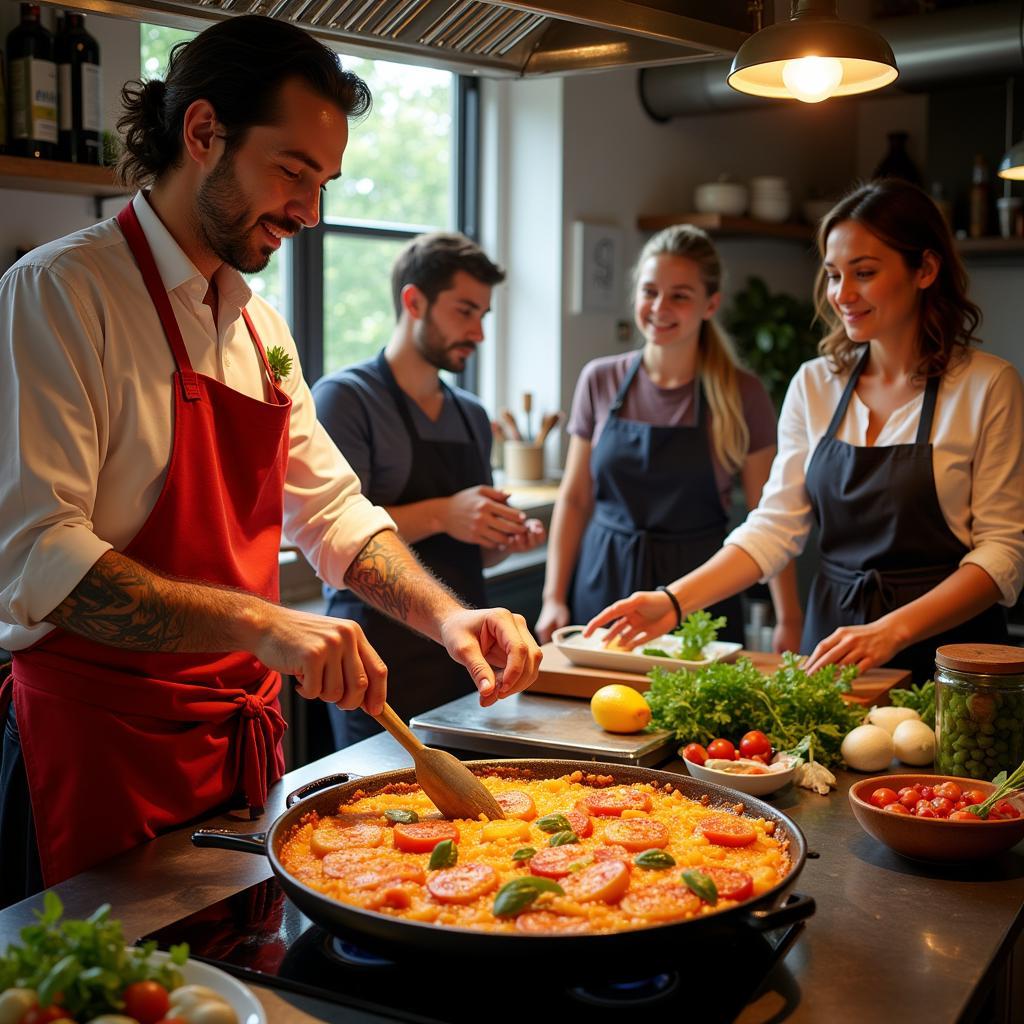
(421, 449)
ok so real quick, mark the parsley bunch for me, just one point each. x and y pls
(85, 963)
(799, 712)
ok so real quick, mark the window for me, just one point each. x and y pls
(407, 169)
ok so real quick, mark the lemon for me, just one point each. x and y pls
(618, 708)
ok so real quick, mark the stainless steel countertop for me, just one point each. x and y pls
(891, 940)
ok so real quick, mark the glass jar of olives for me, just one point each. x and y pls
(979, 709)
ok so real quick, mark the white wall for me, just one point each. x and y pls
(31, 218)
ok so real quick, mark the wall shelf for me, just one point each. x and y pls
(991, 248)
(56, 176)
(724, 226)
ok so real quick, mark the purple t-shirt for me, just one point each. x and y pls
(666, 407)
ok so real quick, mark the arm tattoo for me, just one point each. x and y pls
(378, 575)
(117, 604)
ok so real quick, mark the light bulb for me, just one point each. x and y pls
(812, 79)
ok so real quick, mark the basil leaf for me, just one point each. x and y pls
(515, 896)
(654, 652)
(553, 823)
(445, 855)
(654, 860)
(703, 885)
(524, 853)
(563, 838)
(399, 817)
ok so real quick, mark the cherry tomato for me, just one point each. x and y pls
(731, 884)
(942, 806)
(963, 816)
(727, 830)
(949, 790)
(146, 1001)
(922, 805)
(925, 811)
(45, 1014)
(910, 798)
(755, 742)
(1006, 809)
(694, 753)
(723, 749)
(927, 792)
(882, 797)
(423, 836)
(896, 808)
(974, 796)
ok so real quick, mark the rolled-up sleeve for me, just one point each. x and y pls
(776, 531)
(325, 513)
(54, 421)
(997, 487)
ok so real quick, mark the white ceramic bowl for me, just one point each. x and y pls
(728, 197)
(752, 785)
(766, 184)
(773, 209)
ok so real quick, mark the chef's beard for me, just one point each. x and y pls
(225, 221)
(434, 347)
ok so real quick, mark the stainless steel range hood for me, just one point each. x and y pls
(472, 36)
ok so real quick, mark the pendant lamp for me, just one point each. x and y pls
(813, 56)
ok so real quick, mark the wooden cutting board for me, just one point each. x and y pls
(559, 675)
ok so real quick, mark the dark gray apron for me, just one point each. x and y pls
(421, 674)
(883, 538)
(657, 512)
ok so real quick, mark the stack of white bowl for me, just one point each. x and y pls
(770, 199)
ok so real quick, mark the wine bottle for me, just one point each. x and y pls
(79, 92)
(33, 87)
(897, 163)
(977, 226)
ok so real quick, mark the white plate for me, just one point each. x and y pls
(590, 652)
(241, 998)
(752, 785)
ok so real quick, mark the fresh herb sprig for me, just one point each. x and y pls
(789, 705)
(920, 697)
(280, 363)
(696, 633)
(85, 962)
(1005, 785)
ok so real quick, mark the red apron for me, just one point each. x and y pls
(121, 745)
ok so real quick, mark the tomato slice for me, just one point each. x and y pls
(731, 884)
(330, 835)
(339, 863)
(462, 883)
(423, 836)
(382, 874)
(580, 821)
(544, 922)
(613, 852)
(557, 861)
(727, 830)
(610, 803)
(517, 804)
(637, 834)
(662, 901)
(606, 881)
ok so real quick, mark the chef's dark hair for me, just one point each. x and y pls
(238, 66)
(907, 220)
(431, 261)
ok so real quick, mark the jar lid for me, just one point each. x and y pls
(987, 659)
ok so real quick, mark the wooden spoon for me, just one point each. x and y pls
(455, 791)
(548, 424)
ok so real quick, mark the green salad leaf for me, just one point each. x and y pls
(85, 962)
(802, 713)
(696, 633)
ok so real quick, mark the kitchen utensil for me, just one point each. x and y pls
(550, 421)
(728, 197)
(510, 425)
(752, 785)
(498, 431)
(933, 839)
(524, 461)
(527, 409)
(655, 945)
(454, 789)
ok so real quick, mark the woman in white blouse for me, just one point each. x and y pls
(903, 442)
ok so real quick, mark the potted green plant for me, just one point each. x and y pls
(774, 333)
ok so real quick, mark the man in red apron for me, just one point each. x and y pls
(163, 441)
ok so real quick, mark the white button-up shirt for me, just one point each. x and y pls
(977, 459)
(86, 415)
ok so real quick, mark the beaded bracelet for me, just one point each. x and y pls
(675, 604)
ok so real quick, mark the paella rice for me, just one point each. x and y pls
(575, 854)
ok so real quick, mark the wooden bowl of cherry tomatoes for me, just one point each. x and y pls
(925, 817)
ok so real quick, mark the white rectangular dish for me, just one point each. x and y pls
(590, 652)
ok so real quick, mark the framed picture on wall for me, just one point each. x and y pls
(597, 267)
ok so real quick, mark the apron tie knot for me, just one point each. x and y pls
(250, 705)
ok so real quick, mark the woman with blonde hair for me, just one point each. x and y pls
(657, 439)
(903, 441)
